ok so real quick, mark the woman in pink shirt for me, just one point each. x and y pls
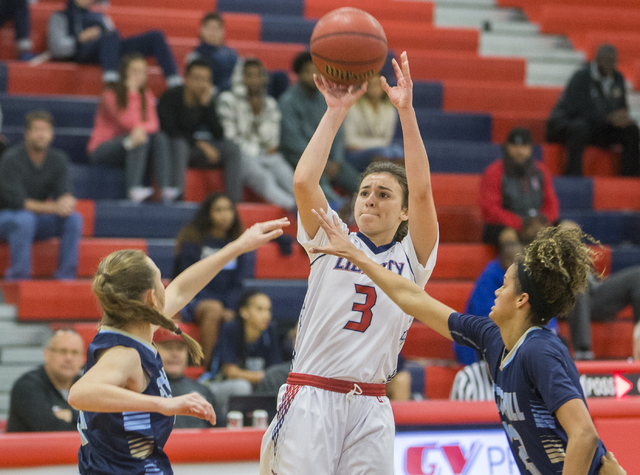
(127, 132)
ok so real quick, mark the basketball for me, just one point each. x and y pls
(348, 46)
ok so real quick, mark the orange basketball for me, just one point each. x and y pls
(348, 46)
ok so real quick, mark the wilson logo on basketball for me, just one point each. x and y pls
(335, 73)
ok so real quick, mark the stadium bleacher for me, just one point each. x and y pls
(465, 104)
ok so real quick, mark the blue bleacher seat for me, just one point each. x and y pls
(161, 252)
(263, 7)
(417, 377)
(4, 73)
(98, 183)
(427, 95)
(67, 111)
(146, 220)
(287, 296)
(624, 256)
(73, 141)
(574, 193)
(608, 227)
(286, 29)
(438, 125)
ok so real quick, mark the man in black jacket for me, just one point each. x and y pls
(593, 110)
(188, 116)
(39, 397)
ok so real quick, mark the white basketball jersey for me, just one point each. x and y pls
(348, 328)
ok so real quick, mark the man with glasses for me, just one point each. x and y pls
(39, 397)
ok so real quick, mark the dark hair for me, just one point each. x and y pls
(555, 266)
(211, 16)
(120, 283)
(120, 87)
(201, 225)
(243, 302)
(198, 63)
(32, 116)
(300, 61)
(400, 174)
(252, 62)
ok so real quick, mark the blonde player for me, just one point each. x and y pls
(333, 416)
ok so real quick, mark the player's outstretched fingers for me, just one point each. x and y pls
(404, 61)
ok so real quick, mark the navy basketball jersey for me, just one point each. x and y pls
(127, 442)
(531, 382)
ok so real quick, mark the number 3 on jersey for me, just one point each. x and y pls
(364, 308)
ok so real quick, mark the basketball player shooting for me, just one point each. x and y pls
(333, 416)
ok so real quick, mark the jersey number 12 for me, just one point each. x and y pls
(364, 308)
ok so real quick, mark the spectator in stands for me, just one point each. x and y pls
(213, 51)
(175, 359)
(515, 189)
(215, 224)
(18, 11)
(127, 133)
(302, 107)
(39, 397)
(188, 116)
(36, 201)
(84, 36)
(246, 347)
(491, 278)
(593, 110)
(603, 299)
(369, 128)
(252, 120)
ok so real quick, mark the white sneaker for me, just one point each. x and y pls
(170, 194)
(138, 194)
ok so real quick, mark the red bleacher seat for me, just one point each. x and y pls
(423, 342)
(271, 264)
(88, 211)
(533, 8)
(503, 121)
(614, 193)
(595, 161)
(438, 380)
(411, 35)
(92, 251)
(475, 96)
(52, 299)
(397, 10)
(571, 20)
(459, 223)
(444, 65)
(455, 189)
(454, 294)
(610, 340)
(462, 261)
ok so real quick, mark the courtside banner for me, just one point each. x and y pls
(453, 452)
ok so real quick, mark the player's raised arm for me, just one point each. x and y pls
(423, 222)
(193, 279)
(412, 299)
(306, 179)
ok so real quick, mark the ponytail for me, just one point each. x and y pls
(121, 281)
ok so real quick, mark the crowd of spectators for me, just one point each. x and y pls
(222, 116)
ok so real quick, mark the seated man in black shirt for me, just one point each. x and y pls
(593, 110)
(39, 397)
(188, 116)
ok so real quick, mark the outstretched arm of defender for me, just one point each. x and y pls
(406, 294)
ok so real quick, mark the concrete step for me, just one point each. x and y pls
(473, 16)
(543, 73)
(520, 28)
(9, 374)
(7, 312)
(15, 334)
(21, 355)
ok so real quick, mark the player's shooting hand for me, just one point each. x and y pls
(262, 233)
(401, 96)
(338, 96)
(610, 466)
(339, 244)
(192, 404)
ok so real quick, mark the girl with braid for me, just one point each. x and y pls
(536, 384)
(127, 411)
